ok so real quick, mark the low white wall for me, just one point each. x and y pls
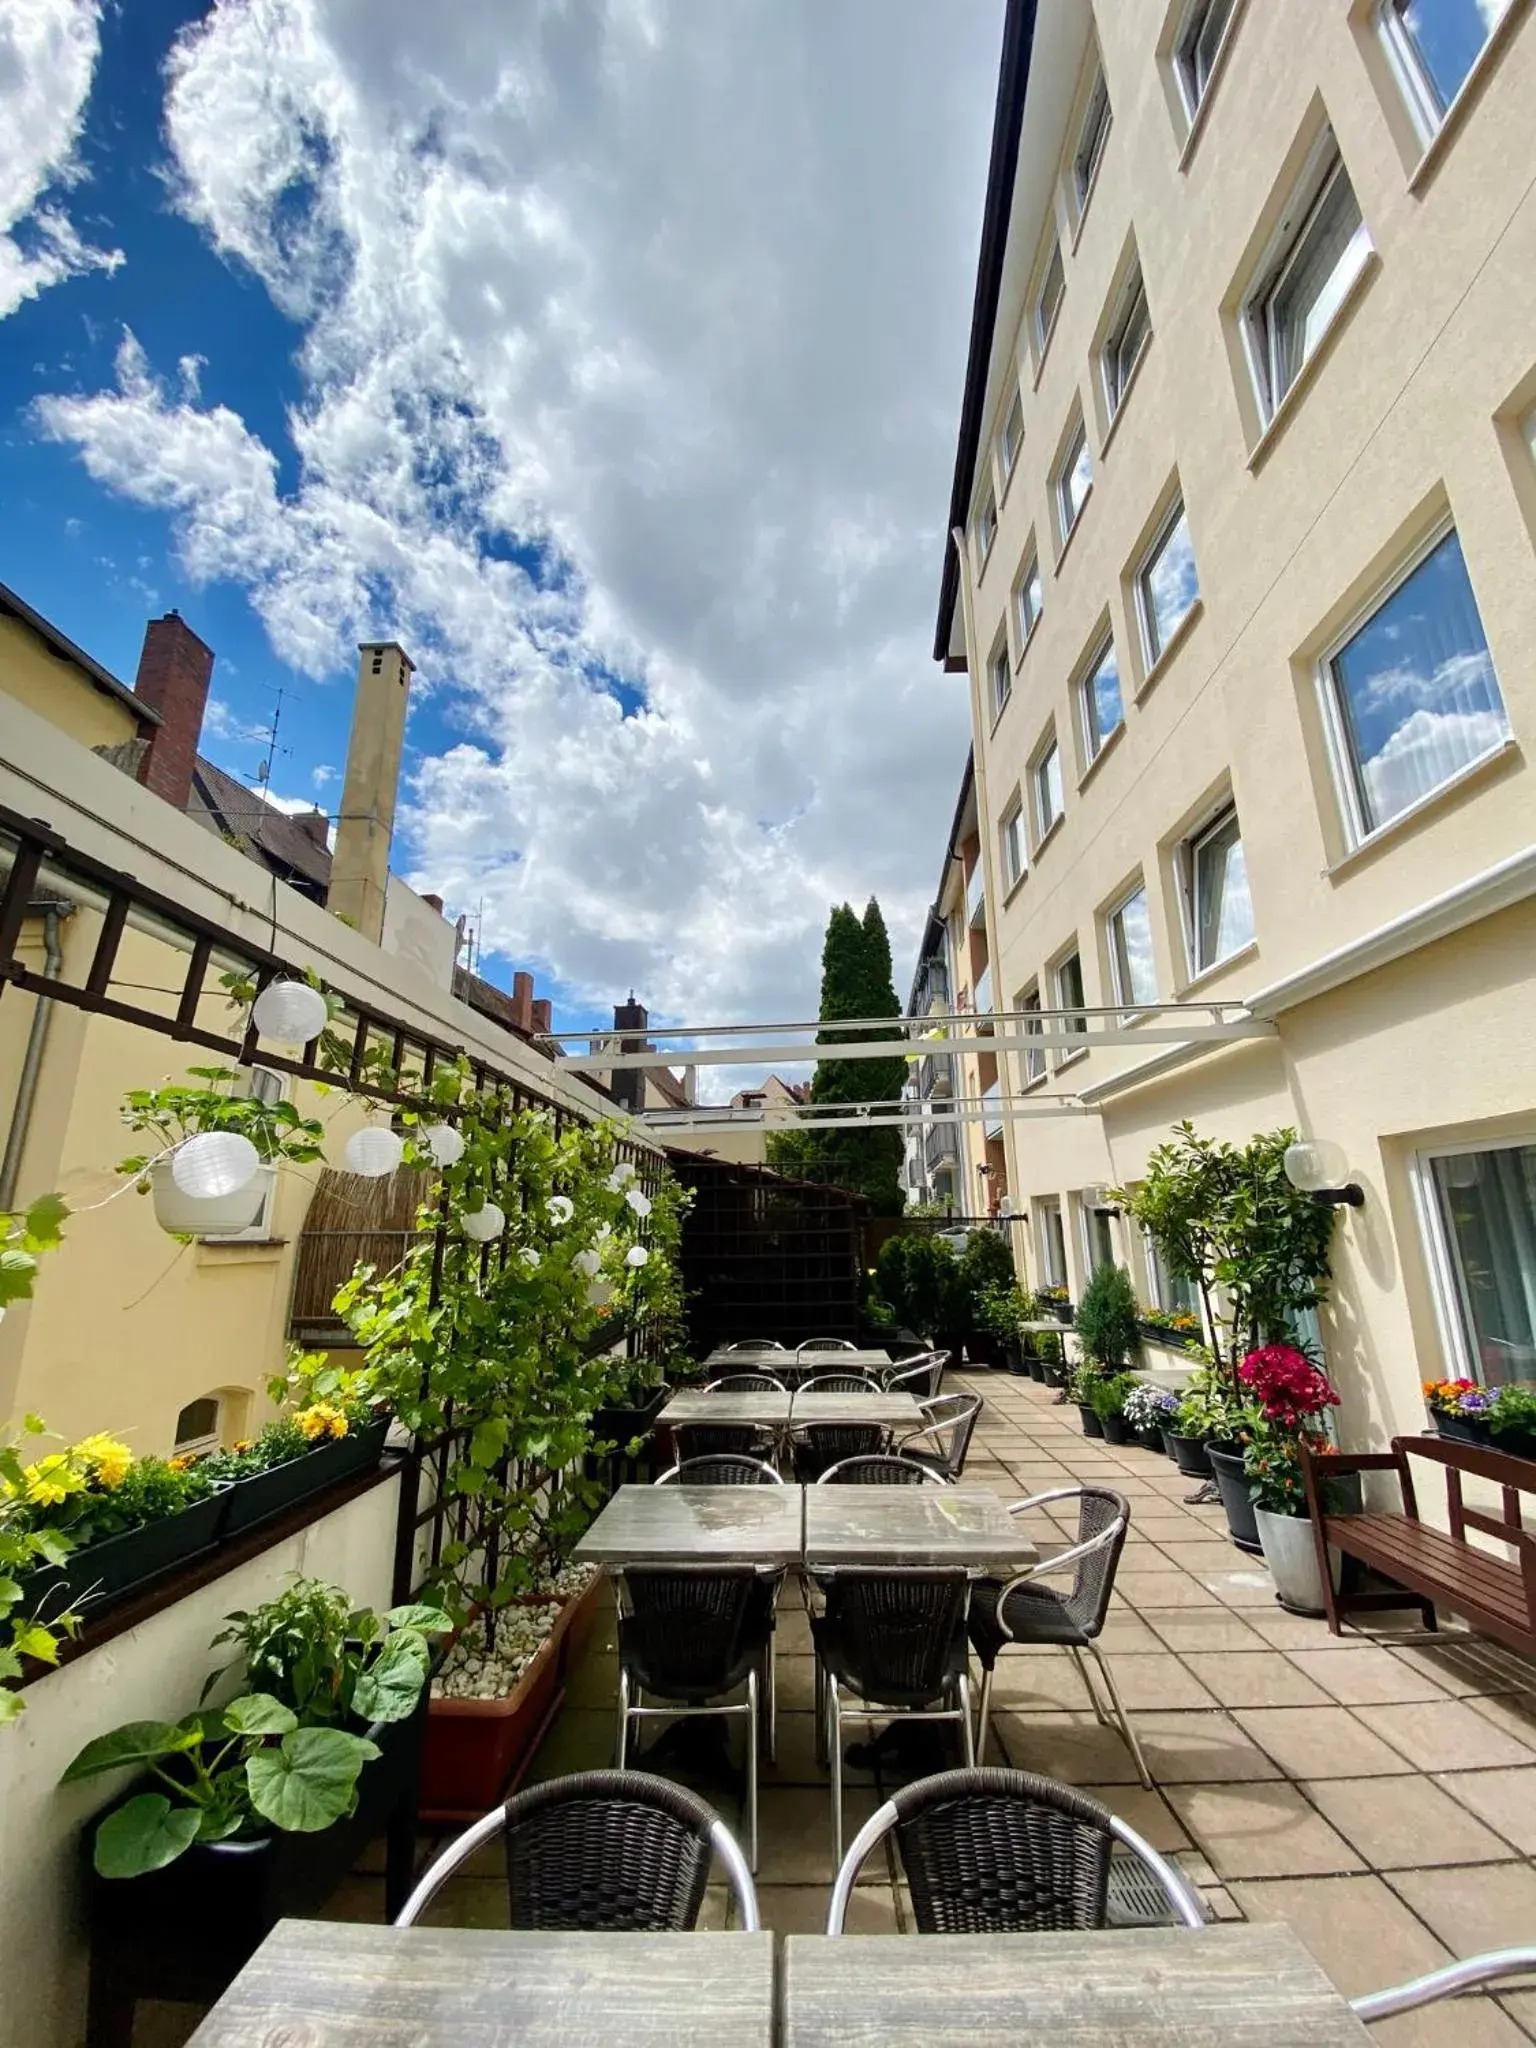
(153, 1672)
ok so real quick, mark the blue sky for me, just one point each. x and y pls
(625, 401)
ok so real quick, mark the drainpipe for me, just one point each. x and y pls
(32, 1062)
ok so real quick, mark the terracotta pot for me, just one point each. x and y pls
(476, 1751)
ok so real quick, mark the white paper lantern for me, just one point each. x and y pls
(637, 1255)
(444, 1143)
(640, 1203)
(481, 1225)
(588, 1262)
(373, 1151)
(561, 1209)
(621, 1176)
(290, 1012)
(214, 1163)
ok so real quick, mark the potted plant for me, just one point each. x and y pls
(1204, 1415)
(1512, 1419)
(1460, 1409)
(177, 1115)
(1107, 1397)
(1056, 1302)
(986, 1271)
(1048, 1355)
(253, 1811)
(336, 1431)
(1106, 1318)
(1292, 1396)
(1148, 1410)
(1175, 1327)
(1000, 1309)
(1082, 1383)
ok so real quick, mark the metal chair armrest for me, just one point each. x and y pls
(1182, 1895)
(1043, 1567)
(728, 1849)
(484, 1830)
(880, 1822)
(1444, 1982)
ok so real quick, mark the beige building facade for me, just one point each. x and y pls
(1244, 593)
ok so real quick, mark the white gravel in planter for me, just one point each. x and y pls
(471, 1672)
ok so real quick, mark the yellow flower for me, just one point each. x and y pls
(108, 1461)
(51, 1480)
(183, 1463)
(323, 1419)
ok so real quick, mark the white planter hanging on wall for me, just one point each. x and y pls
(207, 1215)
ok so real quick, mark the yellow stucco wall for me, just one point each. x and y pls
(58, 691)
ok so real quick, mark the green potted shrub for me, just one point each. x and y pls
(999, 1311)
(1512, 1419)
(1205, 1415)
(1106, 1318)
(986, 1269)
(1107, 1398)
(1082, 1384)
(178, 1116)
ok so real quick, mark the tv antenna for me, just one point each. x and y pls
(263, 776)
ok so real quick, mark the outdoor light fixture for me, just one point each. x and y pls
(214, 1164)
(290, 1012)
(481, 1225)
(1319, 1167)
(444, 1143)
(373, 1151)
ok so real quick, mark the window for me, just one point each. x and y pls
(986, 528)
(1011, 838)
(1029, 597)
(1220, 908)
(262, 1085)
(1099, 700)
(1053, 285)
(1321, 250)
(1130, 331)
(1200, 41)
(1166, 585)
(197, 1426)
(1098, 1238)
(1034, 1055)
(1129, 931)
(1169, 1291)
(1433, 45)
(1000, 674)
(1091, 140)
(1045, 777)
(1073, 481)
(1011, 439)
(1069, 997)
(1482, 1218)
(1052, 1241)
(1411, 697)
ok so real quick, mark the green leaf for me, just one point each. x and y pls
(309, 1781)
(389, 1689)
(44, 1220)
(33, 1640)
(10, 1591)
(51, 1544)
(258, 1713)
(136, 1742)
(11, 1705)
(429, 1621)
(145, 1834)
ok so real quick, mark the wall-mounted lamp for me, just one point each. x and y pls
(1318, 1167)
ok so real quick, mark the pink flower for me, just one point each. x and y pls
(1289, 1387)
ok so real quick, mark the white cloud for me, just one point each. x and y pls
(48, 52)
(1427, 749)
(675, 296)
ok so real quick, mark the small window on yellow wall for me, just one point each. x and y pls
(197, 1426)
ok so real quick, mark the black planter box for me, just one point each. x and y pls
(1150, 1438)
(249, 1501)
(185, 1932)
(1091, 1423)
(1063, 1311)
(1232, 1485)
(1462, 1429)
(620, 1426)
(105, 1571)
(1190, 1453)
(1038, 1369)
(1117, 1430)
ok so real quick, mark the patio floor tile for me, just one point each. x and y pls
(1147, 1812)
(1206, 1748)
(796, 1836)
(1254, 1678)
(1505, 1799)
(1266, 1830)
(1201, 1628)
(1432, 1733)
(1363, 1675)
(1153, 1681)
(1404, 1823)
(1481, 1906)
(802, 1909)
(1163, 1589)
(1321, 1742)
(1075, 1747)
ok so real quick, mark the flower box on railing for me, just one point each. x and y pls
(1175, 1340)
(119, 1564)
(264, 1494)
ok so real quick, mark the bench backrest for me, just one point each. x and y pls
(1513, 1476)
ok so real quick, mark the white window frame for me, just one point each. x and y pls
(1061, 477)
(1038, 781)
(1341, 759)
(1047, 1209)
(1086, 1219)
(1146, 618)
(1033, 1058)
(1157, 1293)
(1189, 880)
(1009, 440)
(1043, 324)
(1441, 1254)
(1412, 75)
(1028, 616)
(1000, 675)
(1011, 838)
(1130, 1004)
(1115, 380)
(1060, 1001)
(1087, 719)
(266, 1085)
(986, 527)
(1191, 92)
(1092, 140)
(1314, 187)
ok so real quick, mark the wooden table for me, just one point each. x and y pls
(913, 1525)
(675, 1525)
(781, 1362)
(765, 1410)
(891, 1411)
(1224, 1987)
(327, 1984)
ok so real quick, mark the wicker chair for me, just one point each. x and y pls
(727, 1471)
(754, 1344)
(611, 1851)
(746, 1383)
(895, 1641)
(824, 1344)
(730, 1439)
(1023, 1611)
(945, 1437)
(880, 1470)
(921, 1375)
(1445, 1982)
(840, 1383)
(1004, 1852)
(688, 1638)
(817, 1446)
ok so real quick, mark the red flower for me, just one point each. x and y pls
(1289, 1387)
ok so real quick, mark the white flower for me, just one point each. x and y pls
(641, 1204)
(561, 1208)
(588, 1262)
(529, 1256)
(637, 1255)
(621, 1176)
(603, 1232)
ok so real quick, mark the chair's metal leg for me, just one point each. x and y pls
(984, 1715)
(835, 1740)
(752, 1737)
(965, 1719)
(821, 1713)
(1121, 1716)
(1089, 1687)
(771, 1686)
(623, 1741)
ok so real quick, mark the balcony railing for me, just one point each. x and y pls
(991, 1110)
(984, 991)
(976, 898)
(939, 1145)
(936, 1074)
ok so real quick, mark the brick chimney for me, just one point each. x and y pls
(174, 672)
(522, 1001)
(543, 1014)
(366, 826)
(628, 1083)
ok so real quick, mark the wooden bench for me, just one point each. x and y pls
(1429, 1566)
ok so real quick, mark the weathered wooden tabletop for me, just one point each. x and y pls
(694, 1405)
(326, 1984)
(779, 1362)
(761, 1525)
(1164, 1987)
(914, 1525)
(891, 1411)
